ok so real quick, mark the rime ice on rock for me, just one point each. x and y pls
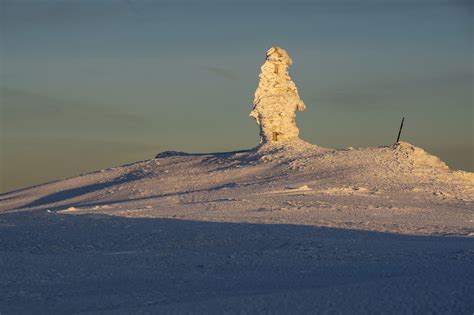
(276, 99)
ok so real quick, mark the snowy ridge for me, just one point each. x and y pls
(412, 191)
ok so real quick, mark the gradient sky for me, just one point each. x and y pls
(97, 83)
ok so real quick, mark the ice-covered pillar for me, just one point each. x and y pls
(276, 99)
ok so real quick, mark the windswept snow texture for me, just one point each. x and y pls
(291, 229)
(276, 99)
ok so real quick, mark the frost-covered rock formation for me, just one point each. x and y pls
(276, 100)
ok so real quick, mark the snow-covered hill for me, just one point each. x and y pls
(278, 229)
(402, 189)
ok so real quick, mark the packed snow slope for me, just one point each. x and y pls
(277, 229)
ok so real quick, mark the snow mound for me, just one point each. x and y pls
(285, 151)
(410, 156)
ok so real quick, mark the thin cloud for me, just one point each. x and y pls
(390, 92)
(223, 73)
(37, 110)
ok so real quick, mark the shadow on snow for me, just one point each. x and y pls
(56, 263)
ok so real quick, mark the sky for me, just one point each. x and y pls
(92, 84)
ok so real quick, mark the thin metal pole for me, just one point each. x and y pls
(400, 131)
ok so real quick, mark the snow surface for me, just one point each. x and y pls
(277, 229)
